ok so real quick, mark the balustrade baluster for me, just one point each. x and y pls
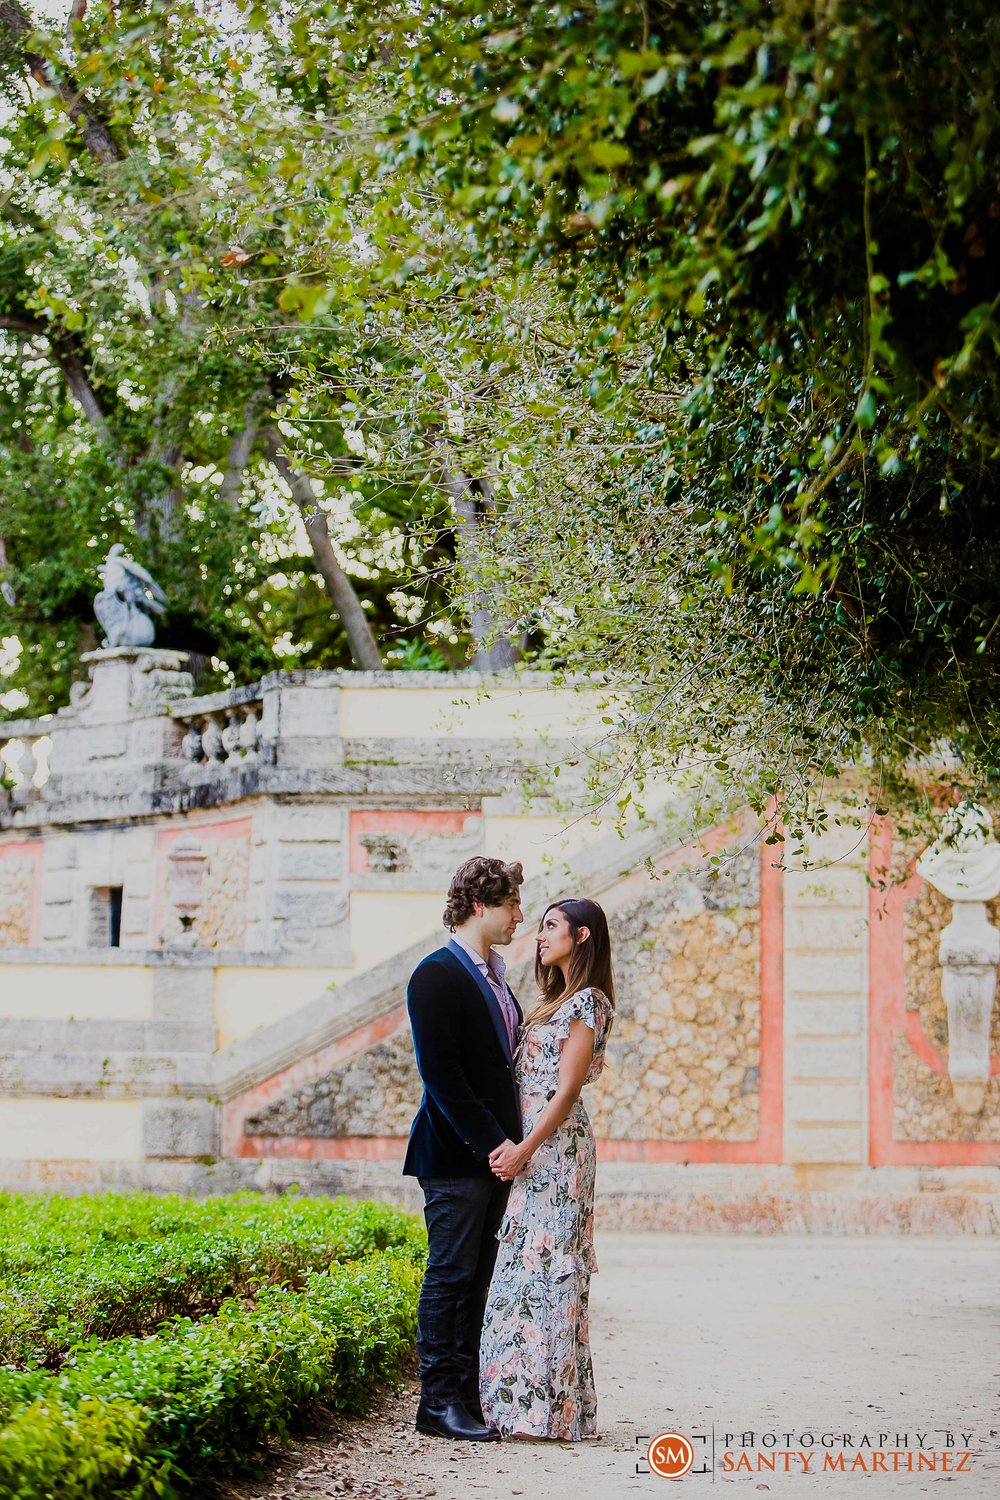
(211, 741)
(249, 734)
(231, 737)
(191, 744)
(220, 737)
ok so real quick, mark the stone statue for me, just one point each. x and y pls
(126, 604)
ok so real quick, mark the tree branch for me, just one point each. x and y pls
(472, 500)
(364, 648)
(65, 348)
(77, 11)
(96, 136)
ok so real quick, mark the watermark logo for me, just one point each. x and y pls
(670, 1455)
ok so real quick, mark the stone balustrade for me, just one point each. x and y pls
(133, 741)
(222, 731)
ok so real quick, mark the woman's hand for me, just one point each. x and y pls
(575, 1056)
(507, 1160)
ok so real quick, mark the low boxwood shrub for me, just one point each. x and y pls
(51, 1450)
(38, 1230)
(124, 1419)
(114, 1283)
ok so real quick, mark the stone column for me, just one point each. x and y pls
(826, 1004)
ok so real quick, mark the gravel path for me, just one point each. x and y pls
(804, 1336)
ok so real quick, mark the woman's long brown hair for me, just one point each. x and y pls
(589, 966)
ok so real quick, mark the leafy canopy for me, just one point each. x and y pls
(706, 293)
(776, 228)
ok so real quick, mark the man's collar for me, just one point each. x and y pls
(497, 964)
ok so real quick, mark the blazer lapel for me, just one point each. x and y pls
(492, 1003)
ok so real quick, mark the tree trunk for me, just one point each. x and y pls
(164, 450)
(75, 374)
(240, 449)
(6, 587)
(472, 500)
(360, 639)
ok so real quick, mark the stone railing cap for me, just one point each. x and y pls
(16, 729)
(468, 681)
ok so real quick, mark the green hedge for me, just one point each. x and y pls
(122, 1265)
(38, 1230)
(126, 1418)
(164, 1338)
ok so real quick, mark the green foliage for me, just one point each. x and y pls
(728, 278)
(123, 1265)
(126, 387)
(125, 1417)
(706, 295)
(310, 1299)
(42, 1229)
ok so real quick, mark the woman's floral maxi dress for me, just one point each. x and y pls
(536, 1375)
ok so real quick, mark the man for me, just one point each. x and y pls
(464, 1021)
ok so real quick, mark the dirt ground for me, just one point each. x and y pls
(754, 1348)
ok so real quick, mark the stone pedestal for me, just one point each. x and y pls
(970, 952)
(964, 865)
(115, 735)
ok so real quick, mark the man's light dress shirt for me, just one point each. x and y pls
(493, 972)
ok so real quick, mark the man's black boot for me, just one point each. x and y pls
(449, 1419)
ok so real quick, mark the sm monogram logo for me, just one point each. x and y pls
(670, 1455)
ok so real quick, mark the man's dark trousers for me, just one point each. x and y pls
(463, 1215)
(469, 1108)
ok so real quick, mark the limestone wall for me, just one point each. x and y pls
(683, 1061)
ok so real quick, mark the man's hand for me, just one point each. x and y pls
(507, 1160)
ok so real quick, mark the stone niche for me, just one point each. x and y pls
(683, 1061)
(220, 918)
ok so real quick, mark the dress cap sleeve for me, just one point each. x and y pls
(587, 1005)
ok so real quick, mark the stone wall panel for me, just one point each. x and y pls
(17, 885)
(683, 1062)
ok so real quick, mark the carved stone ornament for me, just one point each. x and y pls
(187, 863)
(964, 865)
(387, 853)
(159, 679)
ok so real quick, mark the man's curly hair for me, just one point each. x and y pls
(491, 881)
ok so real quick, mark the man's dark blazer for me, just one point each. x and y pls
(464, 1059)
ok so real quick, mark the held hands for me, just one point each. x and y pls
(507, 1160)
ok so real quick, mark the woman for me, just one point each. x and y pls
(536, 1376)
